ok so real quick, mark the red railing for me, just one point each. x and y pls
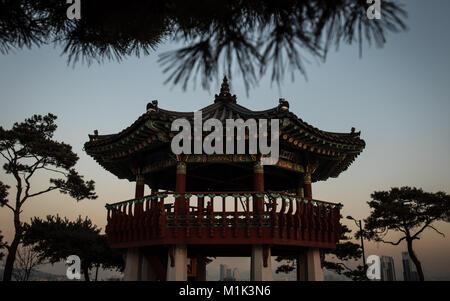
(223, 217)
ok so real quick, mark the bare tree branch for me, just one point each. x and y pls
(26, 261)
(439, 232)
(9, 206)
(426, 225)
(6, 158)
(55, 170)
(393, 243)
(42, 192)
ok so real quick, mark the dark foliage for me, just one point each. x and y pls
(3, 194)
(289, 264)
(407, 211)
(2, 246)
(28, 150)
(345, 251)
(55, 239)
(26, 262)
(3, 199)
(253, 35)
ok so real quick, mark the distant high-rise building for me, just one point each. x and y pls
(409, 269)
(236, 274)
(223, 270)
(387, 268)
(229, 276)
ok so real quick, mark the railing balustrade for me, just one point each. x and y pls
(223, 214)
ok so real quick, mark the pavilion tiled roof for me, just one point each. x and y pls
(154, 126)
(223, 111)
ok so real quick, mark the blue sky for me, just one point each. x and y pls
(398, 96)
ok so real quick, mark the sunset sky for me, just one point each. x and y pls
(397, 96)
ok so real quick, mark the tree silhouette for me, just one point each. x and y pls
(2, 246)
(3, 199)
(253, 35)
(26, 261)
(407, 211)
(345, 251)
(55, 239)
(29, 149)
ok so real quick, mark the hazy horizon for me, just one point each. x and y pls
(397, 96)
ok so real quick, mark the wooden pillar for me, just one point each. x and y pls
(139, 193)
(200, 204)
(310, 268)
(180, 206)
(302, 269)
(133, 264)
(140, 186)
(307, 190)
(147, 272)
(261, 267)
(201, 268)
(258, 175)
(313, 264)
(154, 267)
(300, 191)
(177, 263)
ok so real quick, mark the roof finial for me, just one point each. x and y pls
(225, 95)
(283, 105)
(225, 88)
(152, 106)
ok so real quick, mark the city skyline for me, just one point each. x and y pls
(409, 270)
(387, 264)
(387, 268)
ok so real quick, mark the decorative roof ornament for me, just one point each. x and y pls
(152, 106)
(93, 137)
(354, 132)
(225, 88)
(283, 105)
(225, 95)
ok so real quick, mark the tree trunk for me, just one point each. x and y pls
(9, 264)
(415, 260)
(27, 274)
(96, 273)
(86, 275)
(12, 249)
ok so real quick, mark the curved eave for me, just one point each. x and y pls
(152, 129)
(223, 111)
